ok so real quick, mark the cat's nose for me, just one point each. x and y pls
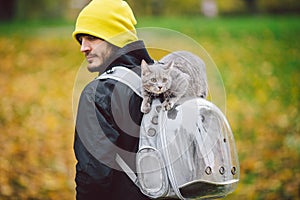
(160, 87)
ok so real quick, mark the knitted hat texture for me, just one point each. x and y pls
(110, 20)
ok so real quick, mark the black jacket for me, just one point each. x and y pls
(107, 123)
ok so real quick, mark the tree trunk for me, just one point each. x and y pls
(7, 10)
(251, 6)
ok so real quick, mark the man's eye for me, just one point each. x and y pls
(91, 38)
(80, 39)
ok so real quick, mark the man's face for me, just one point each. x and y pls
(96, 51)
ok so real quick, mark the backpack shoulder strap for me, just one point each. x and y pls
(124, 75)
(130, 173)
(132, 80)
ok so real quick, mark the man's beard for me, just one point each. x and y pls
(105, 58)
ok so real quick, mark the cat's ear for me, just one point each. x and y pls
(143, 64)
(170, 65)
(144, 67)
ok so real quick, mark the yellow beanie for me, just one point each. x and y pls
(110, 20)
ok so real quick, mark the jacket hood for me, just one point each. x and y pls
(130, 56)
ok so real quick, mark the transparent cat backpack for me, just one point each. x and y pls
(187, 152)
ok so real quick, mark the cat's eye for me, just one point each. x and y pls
(153, 80)
(165, 80)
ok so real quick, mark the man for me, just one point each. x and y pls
(108, 116)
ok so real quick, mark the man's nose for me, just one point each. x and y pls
(85, 45)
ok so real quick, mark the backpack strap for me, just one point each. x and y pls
(124, 75)
(132, 80)
(130, 173)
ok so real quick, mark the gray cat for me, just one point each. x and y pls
(177, 75)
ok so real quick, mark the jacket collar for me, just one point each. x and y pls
(130, 56)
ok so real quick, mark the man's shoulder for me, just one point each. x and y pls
(107, 86)
(96, 86)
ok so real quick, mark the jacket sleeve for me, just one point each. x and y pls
(107, 122)
(91, 143)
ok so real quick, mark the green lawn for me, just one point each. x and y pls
(258, 59)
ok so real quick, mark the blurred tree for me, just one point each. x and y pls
(41, 9)
(251, 6)
(7, 9)
(279, 6)
(157, 7)
(74, 8)
(148, 7)
(163, 7)
(224, 7)
(229, 7)
(79, 3)
(186, 7)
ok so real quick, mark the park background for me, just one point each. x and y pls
(254, 43)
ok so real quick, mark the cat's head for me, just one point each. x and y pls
(156, 77)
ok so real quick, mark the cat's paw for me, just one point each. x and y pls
(167, 105)
(145, 108)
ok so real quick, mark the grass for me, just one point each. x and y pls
(258, 58)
